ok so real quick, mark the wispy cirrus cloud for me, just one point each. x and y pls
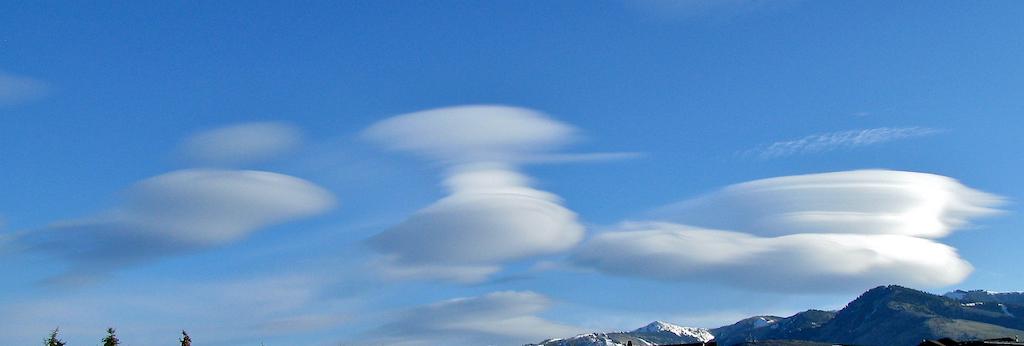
(240, 144)
(17, 89)
(824, 142)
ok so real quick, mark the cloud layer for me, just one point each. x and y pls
(791, 263)
(181, 211)
(499, 318)
(241, 144)
(274, 306)
(839, 140)
(491, 214)
(818, 232)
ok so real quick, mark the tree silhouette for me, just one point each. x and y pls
(185, 340)
(111, 339)
(53, 340)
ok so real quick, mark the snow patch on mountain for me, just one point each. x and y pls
(761, 322)
(1006, 311)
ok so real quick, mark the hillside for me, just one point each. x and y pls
(894, 315)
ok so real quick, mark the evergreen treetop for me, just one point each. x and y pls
(111, 339)
(53, 340)
(185, 340)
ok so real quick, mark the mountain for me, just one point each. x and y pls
(784, 343)
(882, 316)
(885, 315)
(894, 315)
(753, 328)
(982, 296)
(661, 333)
(897, 315)
(798, 326)
(592, 339)
(655, 333)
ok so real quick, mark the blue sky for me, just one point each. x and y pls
(324, 173)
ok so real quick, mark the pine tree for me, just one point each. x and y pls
(53, 340)
(185, 340)
(111, 339)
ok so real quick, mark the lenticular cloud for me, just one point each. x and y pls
(818, 232)
(180, 211)
(857, 202)
(798, 262)
(491, 216)
(471, 134)
(491, 213)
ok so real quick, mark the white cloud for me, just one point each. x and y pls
(499, 318)
(791, 263)
(181, 211)
(491, 214)
(394, 268)
(818, 232)
(472, 133)
(16, 89)
(241, 144)
(839, 140)
(861, 202)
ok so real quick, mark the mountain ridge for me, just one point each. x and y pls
(652, 334)
(882, 316)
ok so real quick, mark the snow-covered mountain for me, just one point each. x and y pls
(591, 339)
(771, 327)
(653, 334)
(982, 296)
(665, 330)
